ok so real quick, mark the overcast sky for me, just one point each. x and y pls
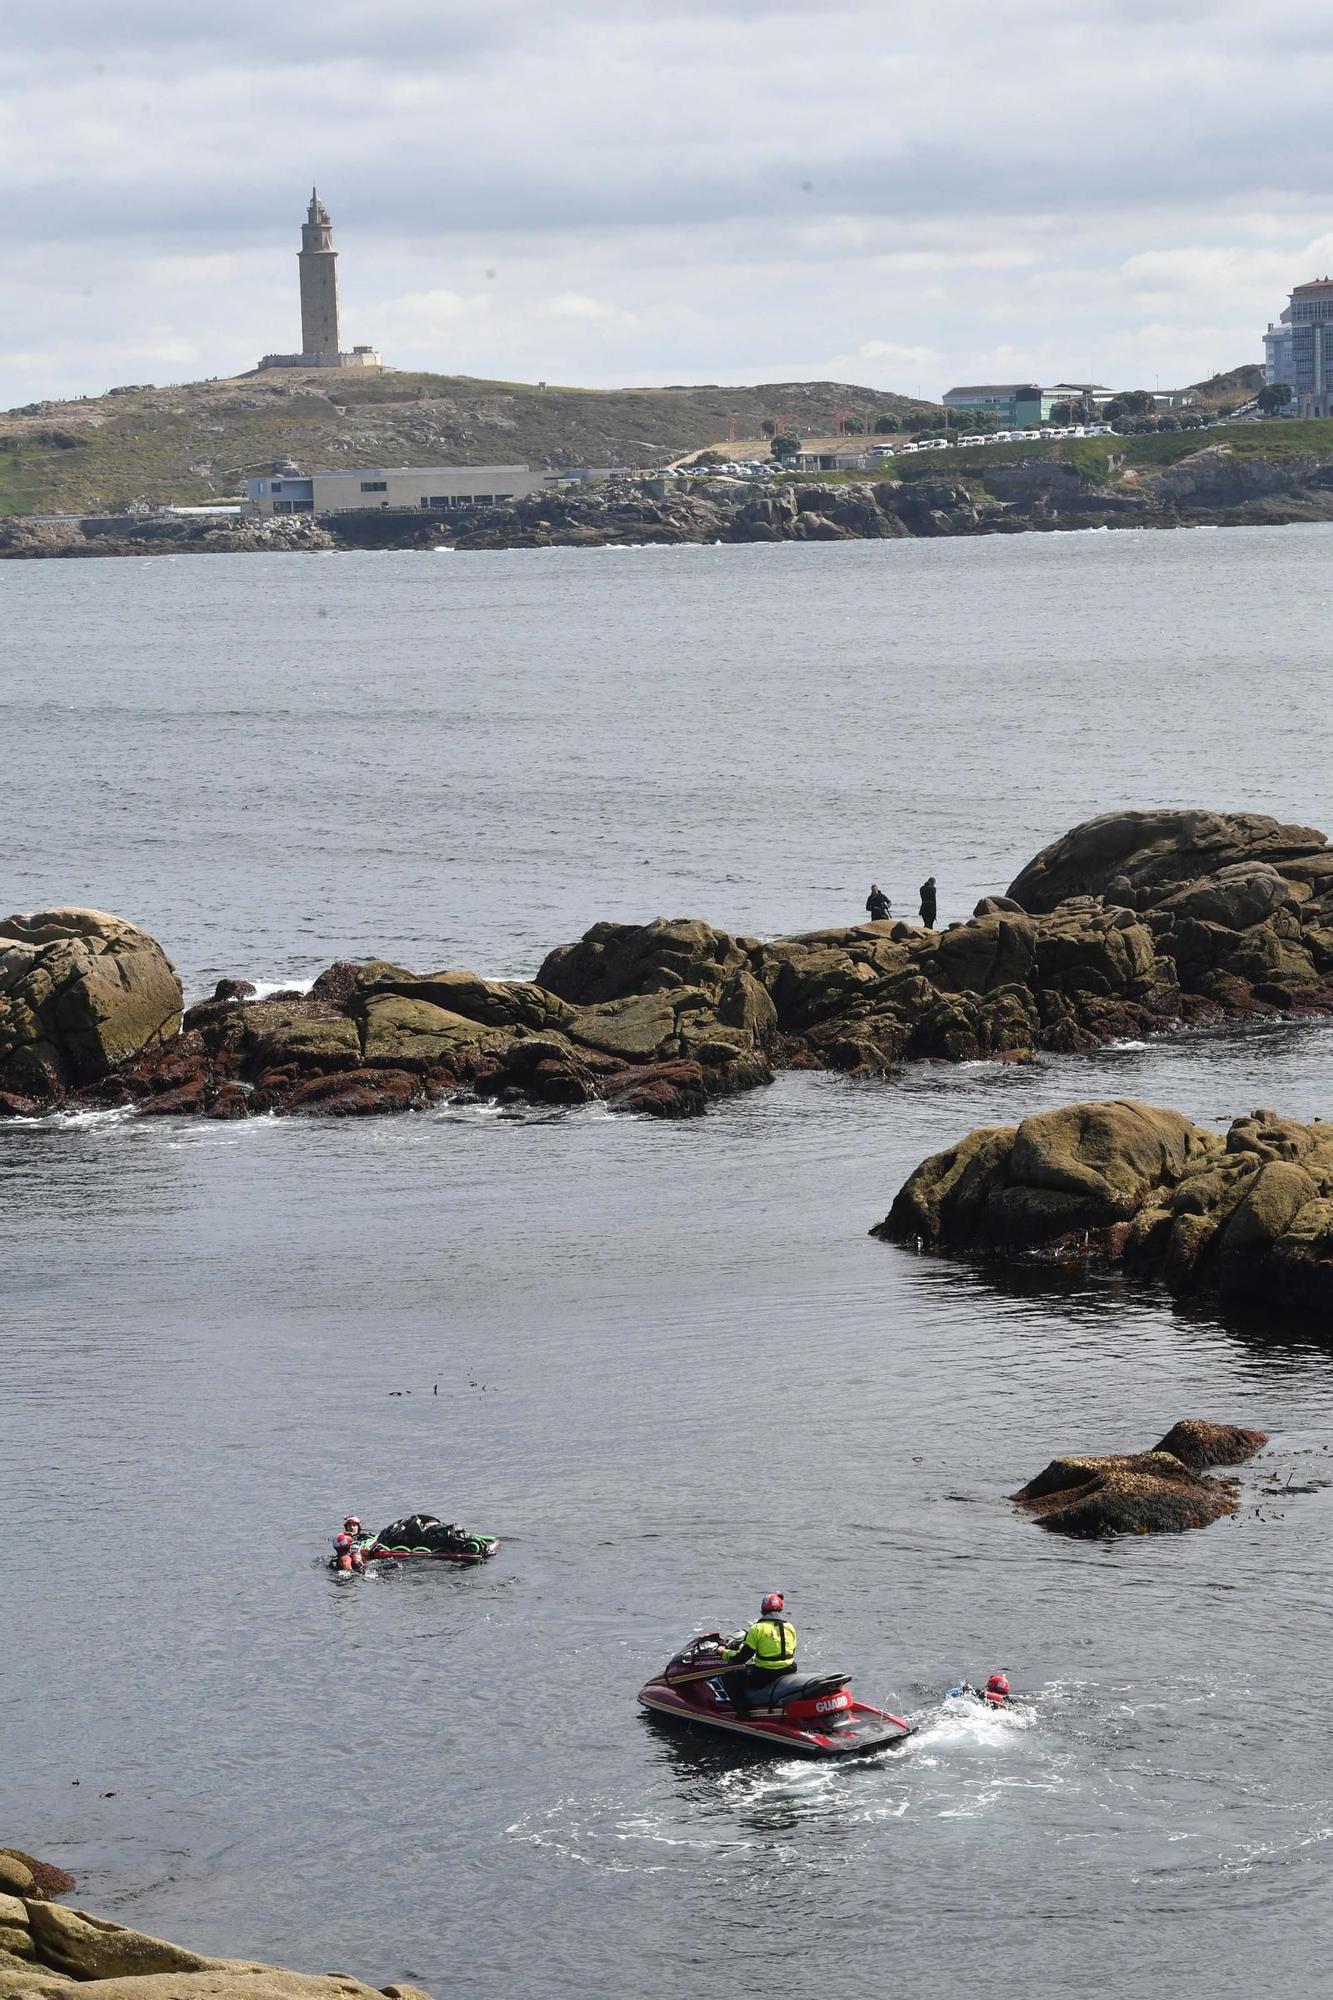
(638, 191)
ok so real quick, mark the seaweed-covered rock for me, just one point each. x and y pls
(45, 1878)
(1197, 1443)
(1157, 1492)
(1133, 1493)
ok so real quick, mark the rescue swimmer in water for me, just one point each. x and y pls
(995, 1694)
(422, 1536)
(348, 1546)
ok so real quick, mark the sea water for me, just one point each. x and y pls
(665, 1363)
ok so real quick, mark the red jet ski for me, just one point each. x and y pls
(803, 1715)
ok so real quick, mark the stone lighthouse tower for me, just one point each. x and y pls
(318, 263)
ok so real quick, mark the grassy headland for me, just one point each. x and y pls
(199, 441)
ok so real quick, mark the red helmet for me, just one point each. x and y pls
(997, 1684)
(773, 1602)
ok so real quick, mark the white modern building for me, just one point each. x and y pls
(1298, 348)
(1280, 350)
(429, 489)
(317, 262)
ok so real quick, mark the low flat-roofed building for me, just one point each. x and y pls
(429, 489)
(1016, 404)
(829, 461)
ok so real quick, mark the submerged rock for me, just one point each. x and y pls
(1245, 1215)
(1136, 1493)
(1198, 1444)
(1157, 1492)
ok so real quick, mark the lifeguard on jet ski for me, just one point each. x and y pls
(416, 1537)
(749, 1687)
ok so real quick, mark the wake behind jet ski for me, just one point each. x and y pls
(797, 1715)
(419, 1537)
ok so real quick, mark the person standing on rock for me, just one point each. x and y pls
(878, 904)
(928, 902)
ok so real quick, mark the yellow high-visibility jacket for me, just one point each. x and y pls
(770, 1643)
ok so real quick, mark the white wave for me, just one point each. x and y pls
(74, 1121)
(966, 1724)
(266, 988)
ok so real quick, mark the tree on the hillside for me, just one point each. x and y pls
(1062, 413)
(886, 422)
(785, 444)
(704, 461)
(1274, 396)
(768, 427)
(1131, 403)
(853, 426)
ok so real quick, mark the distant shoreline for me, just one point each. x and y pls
(1036, 496)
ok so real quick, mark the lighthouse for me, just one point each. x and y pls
(318, 263)
(321, 345)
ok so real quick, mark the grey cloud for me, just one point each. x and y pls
(622, 142)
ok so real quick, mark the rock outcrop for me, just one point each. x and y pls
(1157, 1492)
(80, 991)
(22, 1875)
(1128, 926)
(45, 1949)
(1245, 1215)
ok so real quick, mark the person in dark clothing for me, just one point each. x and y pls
(928, 902)
(877, 903)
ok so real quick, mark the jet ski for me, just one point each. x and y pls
(419, 1537)
(801, 1715)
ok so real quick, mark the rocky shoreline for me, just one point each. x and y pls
(1213, 487)
(1132, 924)
(46, 1948)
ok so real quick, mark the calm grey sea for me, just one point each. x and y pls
(665, 1363)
